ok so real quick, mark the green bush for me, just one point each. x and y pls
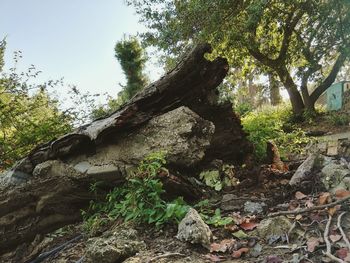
(139, 200)
(338, 118)
(272, 123)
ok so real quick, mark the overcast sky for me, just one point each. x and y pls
(73, 39)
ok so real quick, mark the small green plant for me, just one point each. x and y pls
(139, 200)
(211, 217)
(212, 179)
(220, 177)
(217, 220)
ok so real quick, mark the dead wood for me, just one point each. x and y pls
(178, 113)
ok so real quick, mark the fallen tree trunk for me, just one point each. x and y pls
(177, 114)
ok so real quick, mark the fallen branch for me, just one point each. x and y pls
(47, 254)
(310, 209)
(342, 231)
(328, 243)
(165, 256)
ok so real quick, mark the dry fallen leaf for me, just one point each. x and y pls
(335, 238)
(309, 203)
(332, 210)
(248, 225)
(238, 253)
(298, 217)
(341, 193)
(312, 243)
(342, 253)
(299, 195)
(231, 228)
(224, 246)
(324, 198)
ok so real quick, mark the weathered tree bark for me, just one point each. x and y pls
(178, 114)
(275, 96)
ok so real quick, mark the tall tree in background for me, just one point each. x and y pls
(132, 59)
(2, 53)
(303, 42)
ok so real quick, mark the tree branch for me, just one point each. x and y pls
(331, 76)
(288, 31)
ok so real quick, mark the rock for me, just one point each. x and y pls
(43, 168)
(304, 172)
(113, 247)
(230, 202)
(82, 167)
(346, 182)
(106, 172)
(193, 229)
(254, 208)
(332, 173)
(344, 149)
(273, 229)
(333, 176)
(332, 148)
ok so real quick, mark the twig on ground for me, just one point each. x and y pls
(290, 231)
(47, 254)
(342, 231)
(165, 256)
(306, 210)
(328, 243)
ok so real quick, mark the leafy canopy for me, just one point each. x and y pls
(303, 42)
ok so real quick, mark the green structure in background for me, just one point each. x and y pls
(335, 95)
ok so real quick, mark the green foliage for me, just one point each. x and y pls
(132, 58)
(216, 219)
(243, 108)
(28, 115)
(212, 179)
(304, 43)
(338, 118)
(223, 175)
(210, 217)
(139, 200)
(268, 123)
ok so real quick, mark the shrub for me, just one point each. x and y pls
(270, 123)
(338, 118)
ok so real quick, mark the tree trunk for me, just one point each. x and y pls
(275, 96)
(294, 95)
(178, 114)
(308, 102)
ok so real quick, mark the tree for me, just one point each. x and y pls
(2, 53)
(303, 42)
(275, 96)
(132, 59)
(28, 115)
